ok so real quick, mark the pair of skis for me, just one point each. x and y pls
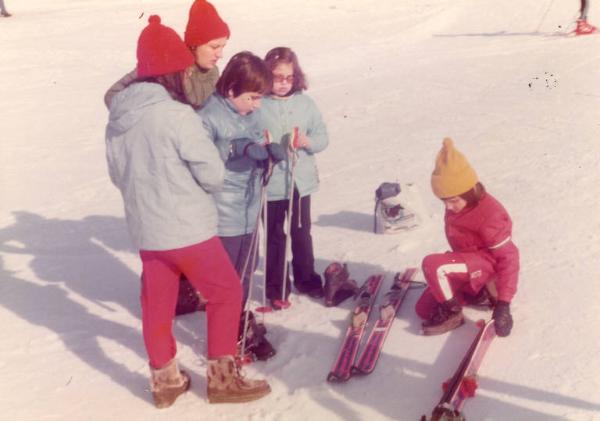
(344, 366)
(463, 383)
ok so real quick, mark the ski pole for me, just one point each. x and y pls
(544, 15)
(292, 146)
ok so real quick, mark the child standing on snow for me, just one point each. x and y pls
(479, 231)
(287, 109)
(166, 167)
(231, 121)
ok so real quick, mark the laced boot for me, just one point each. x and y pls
(257, 346)
(168, 383)
(227, 385)
(445, 317)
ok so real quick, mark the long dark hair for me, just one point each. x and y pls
(172, 82)
(473, 196)
(285, 55)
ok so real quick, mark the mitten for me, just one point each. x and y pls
(248, 147)
(256, 151)
(502, 319)
(276, 152)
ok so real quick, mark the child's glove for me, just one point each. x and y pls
(502, 319)
(248, 147)
(276, 152)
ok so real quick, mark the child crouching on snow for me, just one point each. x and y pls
(479, 231)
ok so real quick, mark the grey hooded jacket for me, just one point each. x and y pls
(166, 167)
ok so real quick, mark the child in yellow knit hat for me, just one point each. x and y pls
(479, 231)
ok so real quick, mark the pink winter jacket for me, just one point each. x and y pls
(486, 229)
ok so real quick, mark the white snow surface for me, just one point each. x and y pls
(392, 78)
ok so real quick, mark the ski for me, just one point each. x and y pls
(463, 383)
(387, 313)
(341, 370)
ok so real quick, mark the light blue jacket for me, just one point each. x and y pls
(165, 165)
(238, 202)
(280, 116)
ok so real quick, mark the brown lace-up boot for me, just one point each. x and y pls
(168, 383)
(445, 317)
(227, 384)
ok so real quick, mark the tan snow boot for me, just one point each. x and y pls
(168, 383)
(226, 383)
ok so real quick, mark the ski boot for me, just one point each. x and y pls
(584, 28)
(338, 286)
(257, 347)
(445, 317)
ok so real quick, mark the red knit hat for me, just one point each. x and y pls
(160, 50)
(204, 24)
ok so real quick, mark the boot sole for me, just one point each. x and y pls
(439, 330)
(239, 398)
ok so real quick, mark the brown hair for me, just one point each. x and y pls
(473, 196)
(245, 72)
(285, 55)
(172, 82)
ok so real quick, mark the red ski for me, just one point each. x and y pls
(341, 370)
(387, 313)
(463, 383)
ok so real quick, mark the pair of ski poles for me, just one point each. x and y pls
(253, 251)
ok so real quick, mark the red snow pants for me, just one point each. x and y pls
(450, 275)
(208, 268)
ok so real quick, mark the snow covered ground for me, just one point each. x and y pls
(392, 78)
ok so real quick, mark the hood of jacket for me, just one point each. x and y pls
(126, 108)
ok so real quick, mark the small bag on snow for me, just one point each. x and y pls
(391, 213)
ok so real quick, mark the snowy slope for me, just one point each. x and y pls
(392, 78)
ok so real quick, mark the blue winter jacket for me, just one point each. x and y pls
(280, 116)
(165, 165)
(238, 202)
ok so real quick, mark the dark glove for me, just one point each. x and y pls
(502, 319)
(256, 151)
(248, 147)
(276, 152)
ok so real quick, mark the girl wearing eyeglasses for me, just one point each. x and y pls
(285, 112)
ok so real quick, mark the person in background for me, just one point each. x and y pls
(583, 27)
(167, 169)
(3, 12)
(206, 35)
(231, 121)
(286, 109)
(479, 231)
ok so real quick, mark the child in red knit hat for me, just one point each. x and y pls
(167, 170)
(479, 231)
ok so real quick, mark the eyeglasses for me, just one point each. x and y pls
(282, 78)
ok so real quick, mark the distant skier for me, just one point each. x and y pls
(583, 27)
(479, 231)
(3, 12)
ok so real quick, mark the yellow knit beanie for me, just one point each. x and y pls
(452, 175)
